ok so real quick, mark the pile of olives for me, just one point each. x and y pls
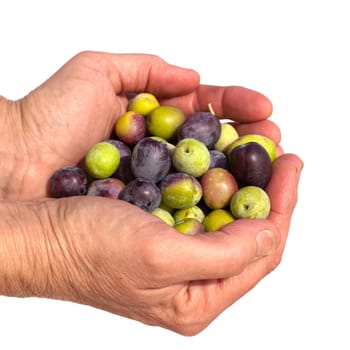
(195, 173)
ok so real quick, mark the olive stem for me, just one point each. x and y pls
(211, 110)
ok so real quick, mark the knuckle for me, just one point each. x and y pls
(274, 263)
(82, 55)
(152, 257)
(187, 317)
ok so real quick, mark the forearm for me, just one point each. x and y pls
(38, 254)
(23, 269)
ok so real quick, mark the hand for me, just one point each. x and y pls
(110, 254)
(79, 105)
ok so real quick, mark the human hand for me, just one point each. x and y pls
(112, 255)
(55, 124)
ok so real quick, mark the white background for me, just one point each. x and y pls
(295, 52)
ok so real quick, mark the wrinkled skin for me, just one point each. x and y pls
(110, 254)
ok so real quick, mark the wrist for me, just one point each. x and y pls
(23, 257)
(10, 136)
(37, 256)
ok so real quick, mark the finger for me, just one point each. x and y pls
(144, 72)
(238, 103)
(140, 72)
(264, 127)
(213, 255)
(227, 253)
(283, 191)
(279, 151)
(234, 102)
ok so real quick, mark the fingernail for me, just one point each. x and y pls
(265, 241)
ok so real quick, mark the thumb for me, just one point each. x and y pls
(220, 254)
(143, 72)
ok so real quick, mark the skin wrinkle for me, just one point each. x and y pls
(43, 269)
(27, 107)
(8, 146)
(109, 72)
(52, 251)
(116, 78)
(19, 250)
(76, 266)
(187, 313)
(147, 72)
(129, 265)
(93, 266)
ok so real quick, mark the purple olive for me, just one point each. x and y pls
(142, 193)
(68, 181)
(110, 188)
(250, 165)
(202, 126)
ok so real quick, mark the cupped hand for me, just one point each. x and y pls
(112, 255)
(56, 123)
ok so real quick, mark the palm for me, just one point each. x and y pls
(77, 109)
(78, 106)
(121, 265)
